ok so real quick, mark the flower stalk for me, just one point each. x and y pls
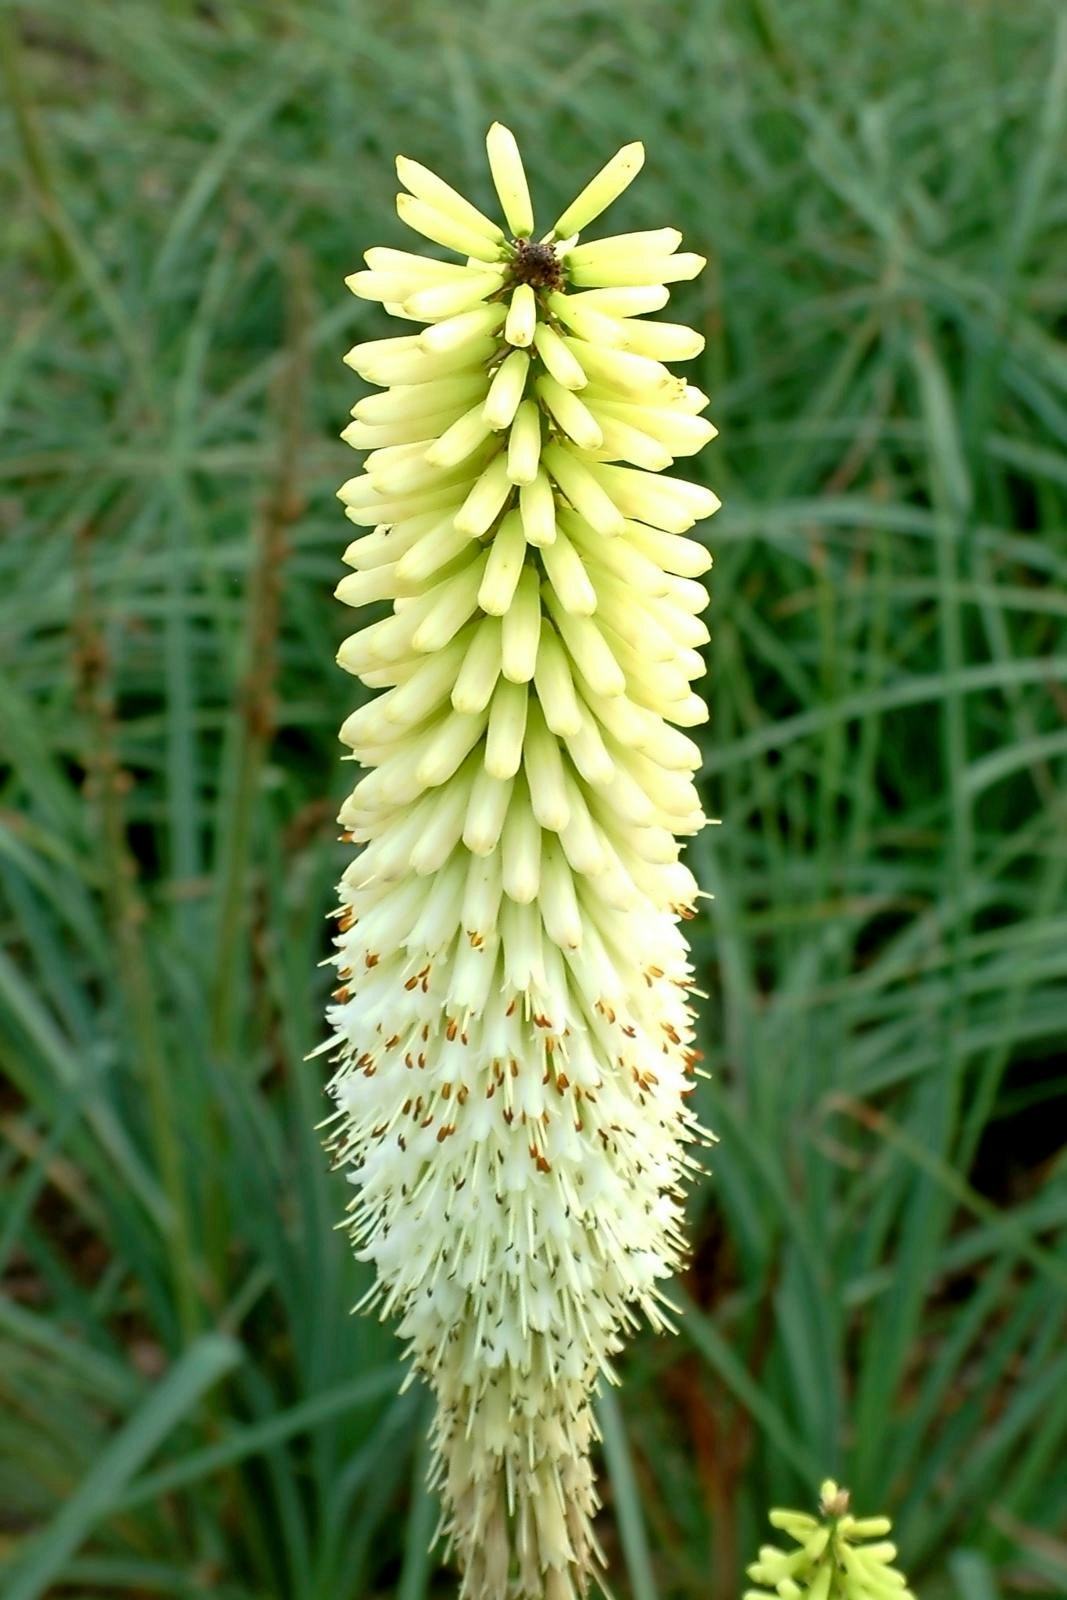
(512, 1025)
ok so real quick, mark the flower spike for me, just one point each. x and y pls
(511, 1028)
(836, 1556)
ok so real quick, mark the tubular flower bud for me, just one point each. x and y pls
(832, 1558)
(512, 1027)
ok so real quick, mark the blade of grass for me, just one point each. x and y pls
(626, 1496)
(202, 1365)
(415, 1573)
(257, 1437)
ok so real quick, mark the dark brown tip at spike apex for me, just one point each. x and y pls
(537, 265)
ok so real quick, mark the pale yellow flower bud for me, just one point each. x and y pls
(509, 179)
(506, 389)
(445, 229)
(522, 316)
(558, 360)
(600, 191)
(427, 186)
(524, 443)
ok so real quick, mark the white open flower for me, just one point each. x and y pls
(512, 1026)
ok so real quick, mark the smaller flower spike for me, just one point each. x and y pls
(512, 1027)
(836, 1557)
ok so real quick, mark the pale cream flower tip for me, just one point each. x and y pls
(511, 1024)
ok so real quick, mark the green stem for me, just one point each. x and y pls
(254, 722)
(127, 916)
(29, 137)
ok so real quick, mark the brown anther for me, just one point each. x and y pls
(371, 959)
(341, 993)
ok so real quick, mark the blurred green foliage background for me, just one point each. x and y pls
(879, 1283)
